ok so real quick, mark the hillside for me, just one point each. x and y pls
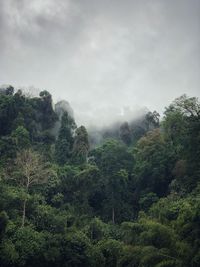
(129, 198)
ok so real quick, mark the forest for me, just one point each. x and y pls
(66, 200)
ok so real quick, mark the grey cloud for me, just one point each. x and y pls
(102, 55)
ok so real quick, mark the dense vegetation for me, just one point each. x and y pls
(132, 201)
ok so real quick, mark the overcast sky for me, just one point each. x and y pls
(102, 56)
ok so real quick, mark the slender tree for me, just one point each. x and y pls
(31, 171)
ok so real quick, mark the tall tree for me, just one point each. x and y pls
(115, 164)
(181, 126)
(81, 146)
(48, 116)
(31, 171)
(64, 143)
(153, 163)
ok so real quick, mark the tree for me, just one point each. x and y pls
(81, 146)
(116, 191)
(64, 143)
(125, 133)
(181, 126)
(7, 90)
(152, 120)
(188, 106)
(7, 113)
(174, 130)
(111, 250)
(147, 200)
(115, 164)
(112, 156)
(48, 116)
(31, 171)
(86, 188)
(153, 164)
(74, 249)
(21, 137)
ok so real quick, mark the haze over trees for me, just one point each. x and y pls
(132, 199)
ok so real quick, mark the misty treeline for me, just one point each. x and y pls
(132, 200)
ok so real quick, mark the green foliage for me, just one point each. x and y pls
(28, 243)
(111, 250)
(134, 202)
(147, 200)
(81, 146)
(64, 143)
(21, 137)
(47, 116)
(130, 256)
(8, 254)
(152, 120)
(112, 156)
(50, 219)
(182, 127)
(3, 223)
(153, 163)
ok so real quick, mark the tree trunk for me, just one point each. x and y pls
(113, 215)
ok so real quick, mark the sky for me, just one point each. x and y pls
(107, 58)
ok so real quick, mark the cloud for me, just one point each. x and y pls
(102, 56)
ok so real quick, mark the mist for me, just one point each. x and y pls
(108, 59)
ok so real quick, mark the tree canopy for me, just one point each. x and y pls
(131, 200)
